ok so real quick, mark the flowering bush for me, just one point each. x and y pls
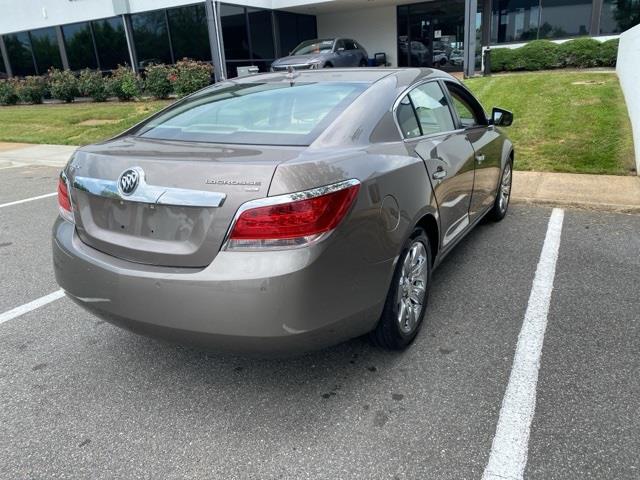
(124, 83)
(63, 85)
(92, 84)
(190, 76)
(32, 89)
(157, 82)
(8, 92)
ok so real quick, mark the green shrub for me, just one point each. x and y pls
(92, 84)
(538, 55)
(580, 53)
(608, 53)
(124, 83)
(501, 59)
(8, 92)
(32, 89)
(157, 82)
(190, 76)
(63, 85)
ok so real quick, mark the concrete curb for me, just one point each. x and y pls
(591, 206)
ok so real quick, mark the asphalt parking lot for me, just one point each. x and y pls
(80, 398)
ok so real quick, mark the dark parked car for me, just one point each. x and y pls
(324, 53)
(282, 212)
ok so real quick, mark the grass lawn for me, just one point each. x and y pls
(71, 124)
(563, 121)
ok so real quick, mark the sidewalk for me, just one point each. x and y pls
(23, 154)
(596, 192)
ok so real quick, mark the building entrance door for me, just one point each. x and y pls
(431, 34)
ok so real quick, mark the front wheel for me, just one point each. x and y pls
(407, 298)
(501, 204)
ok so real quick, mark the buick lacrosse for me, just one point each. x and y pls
(282, 212)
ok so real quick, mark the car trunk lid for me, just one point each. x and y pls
(184, 201)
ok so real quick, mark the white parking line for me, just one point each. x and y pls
(27, 307)
(17, 202)
(508, 457)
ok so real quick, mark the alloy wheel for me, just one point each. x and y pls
(505, 188)
(412, 287)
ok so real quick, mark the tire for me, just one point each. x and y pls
(328, 65)
(503, 195)
(363, 64)
(395, 330)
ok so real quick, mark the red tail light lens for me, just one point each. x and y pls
(64, 202)
(292, 220)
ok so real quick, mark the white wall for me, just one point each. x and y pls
(628, 69)
(373, 27)
(19, 15)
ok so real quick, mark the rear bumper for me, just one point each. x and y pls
(262, 302)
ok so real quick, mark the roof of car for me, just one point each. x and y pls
(405, 76)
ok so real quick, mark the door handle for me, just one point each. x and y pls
(439, 174)
(480, 158)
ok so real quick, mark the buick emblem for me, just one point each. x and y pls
(129, 180)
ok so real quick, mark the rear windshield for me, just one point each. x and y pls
(255, 113)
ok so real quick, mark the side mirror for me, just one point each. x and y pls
(501, 117)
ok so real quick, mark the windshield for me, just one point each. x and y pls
(311, 47)
(255, 113)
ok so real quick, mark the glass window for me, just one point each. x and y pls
(151, 38)
(515, 20)
(111, 43)
(79, 44)
(350, 45)
(261, 28)
(619, 15)
(44, 43)
(19, 51)
(565, 18)
(407, 119)
(341, 45)
(255, 113)
(234, 32)
(189, 33)
(313, 46)
(432, 109)
(294, 29)
(3, 68)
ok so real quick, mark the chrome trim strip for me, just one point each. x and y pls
(287, 198)
(145, 193)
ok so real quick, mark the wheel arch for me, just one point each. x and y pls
(429, 224)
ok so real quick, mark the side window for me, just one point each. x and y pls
(432, 109)
(351, 45)
(407, 119)
(469, 111)
(340, 44)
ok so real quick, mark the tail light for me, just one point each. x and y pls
(64, 201)
(293, 220)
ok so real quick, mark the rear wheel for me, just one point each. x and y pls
(363, 63)
(407, 298)
(501, 204)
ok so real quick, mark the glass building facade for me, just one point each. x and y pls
(428, 33)
(251, 36)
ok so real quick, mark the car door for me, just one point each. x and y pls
(341, 56)
(486, 144)
(427, 122)
(352, 53)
